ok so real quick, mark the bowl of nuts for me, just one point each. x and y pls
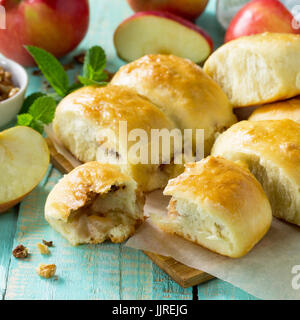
(13, 85)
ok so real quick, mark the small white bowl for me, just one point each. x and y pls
(9, 108)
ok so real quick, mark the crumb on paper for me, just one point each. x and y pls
(46, 270)
(20, 252)
(48, 243)
(43, 248)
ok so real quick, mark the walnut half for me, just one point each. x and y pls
(20, 252)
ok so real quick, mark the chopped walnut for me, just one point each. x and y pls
(109, 75)
(46, 270)
(20, 252)
(7, 88)
(13, 91)
(80, 58)
(43, 248)
(37, 72)
(48, 243)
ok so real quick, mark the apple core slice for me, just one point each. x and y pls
(24, 160)
(152, 32)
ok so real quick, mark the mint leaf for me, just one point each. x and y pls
(43, 109)
(27, 120)
(24, 119)
(94, 64)
(29, 101)
(51, 69)
(90, 82)
(37, 125)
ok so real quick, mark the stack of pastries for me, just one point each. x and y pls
(224, 202)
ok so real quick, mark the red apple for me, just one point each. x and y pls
(260, 16)
(189, 9)
(57, 26)
(161, 32)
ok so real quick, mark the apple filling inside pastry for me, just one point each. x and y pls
(94, 203)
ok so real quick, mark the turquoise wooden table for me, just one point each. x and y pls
(107, 271)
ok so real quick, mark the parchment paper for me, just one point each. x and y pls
(265, 272)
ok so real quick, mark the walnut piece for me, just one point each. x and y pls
(7, 88)
(43, 248)
(48, 243)
(80, 58)
(46, 270)
(20, 252)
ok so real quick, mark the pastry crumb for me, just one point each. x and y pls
(20, 252)
(46, 270)
(43, 248)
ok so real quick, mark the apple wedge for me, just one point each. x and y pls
(24, 160)
(151, 32)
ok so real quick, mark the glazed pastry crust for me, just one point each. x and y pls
(72, 192)
(182, 91)
(88, 123)
(257, 69)
(271, 148)
(288, 109)
(235, 211)
(77, 190)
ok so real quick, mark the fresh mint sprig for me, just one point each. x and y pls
(30, 100)
(41, 112)
(52, 69)
(39, 108)
(93, 67)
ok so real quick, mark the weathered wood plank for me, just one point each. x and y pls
(8, 221)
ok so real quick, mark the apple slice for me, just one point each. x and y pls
(151, 32)
(24, 159)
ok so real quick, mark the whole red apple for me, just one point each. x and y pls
(260, 16)
(189, 9)
(57, 26)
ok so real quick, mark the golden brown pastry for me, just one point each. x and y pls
(182, 91)
(257, 69)
(271, 149)
(288, 109)
(89, 123)
(93, 203)
(218, 204)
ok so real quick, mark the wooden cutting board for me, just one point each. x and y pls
(182, 274)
